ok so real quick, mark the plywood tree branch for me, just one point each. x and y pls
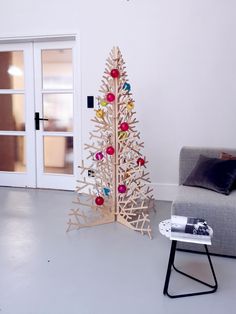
(117, 189)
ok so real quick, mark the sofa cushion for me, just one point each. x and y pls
(213, 174)
(190, 155)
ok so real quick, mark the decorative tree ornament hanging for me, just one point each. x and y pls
(99, 200)
(124, 126)
(127, 174)
(100, 113)
(110, 150)
(106, 191)
(127, 87)
(130, 106)
(122, 188)
(99, 156)
(110, 97)
(122, 135)
(103, 103)
(115, 73)
(140, 161)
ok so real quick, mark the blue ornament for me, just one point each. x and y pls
(127, 86)
(106, 191)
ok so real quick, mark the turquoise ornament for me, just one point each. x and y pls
(106, 191)
(127, 86)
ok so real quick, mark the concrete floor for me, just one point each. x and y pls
(107, 269)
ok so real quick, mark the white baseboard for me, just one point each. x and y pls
(164, 191)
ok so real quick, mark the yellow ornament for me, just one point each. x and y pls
(122, 135)
(130, 106)
(100, 113)
(103, 103)
(127, 174)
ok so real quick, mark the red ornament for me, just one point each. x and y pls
(99, 156)
(140, 161)
(110, 97)
(122, 188)
(99, 200)
(110, 150)
(115, 73)
(124, 126)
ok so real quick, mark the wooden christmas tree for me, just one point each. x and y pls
(114, 185)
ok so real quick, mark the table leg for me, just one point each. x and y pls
(170, 263)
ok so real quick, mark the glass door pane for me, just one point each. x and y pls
(12, 117)
(12, 108)
(57, 69)
(58, 109)
(12, 157)
(11, 70)
(58, 154)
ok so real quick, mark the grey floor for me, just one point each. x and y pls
(107, 269)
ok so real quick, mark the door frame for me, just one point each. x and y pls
(77, 131)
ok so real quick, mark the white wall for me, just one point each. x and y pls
(181, 62)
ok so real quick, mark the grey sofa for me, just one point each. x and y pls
(219, 210)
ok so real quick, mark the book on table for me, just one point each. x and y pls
(190, 229)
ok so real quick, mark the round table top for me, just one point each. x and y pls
(165, 227)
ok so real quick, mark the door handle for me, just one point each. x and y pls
(37, 119)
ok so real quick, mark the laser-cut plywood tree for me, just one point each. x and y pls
(117, 188)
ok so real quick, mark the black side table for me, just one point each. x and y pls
(164, 228)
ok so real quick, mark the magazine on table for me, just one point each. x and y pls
(190, 229)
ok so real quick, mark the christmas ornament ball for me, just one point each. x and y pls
(103, 103)
(99, 156)
(100, 113)
(124, 126)
(122, 188)
(140, 161)
(130, 106)
(110, 97)
(115, 73)
(110, 150)
(99, 200)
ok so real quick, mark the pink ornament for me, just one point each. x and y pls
(110, 150)
(110, 97)
(115, 73)
(99, 200)
(122, 188)
(99, 156)
(124, 126)
(140, 161)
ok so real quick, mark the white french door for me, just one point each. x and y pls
(55, 81)
(40, 118)
(17, 138)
